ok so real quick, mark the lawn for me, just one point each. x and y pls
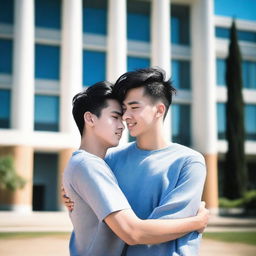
(15, 235)
(232, 237)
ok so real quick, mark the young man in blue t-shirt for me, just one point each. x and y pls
(159, 179)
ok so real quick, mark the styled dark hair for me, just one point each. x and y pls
(151, 79)
(92, 99)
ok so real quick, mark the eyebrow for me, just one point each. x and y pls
(116, 112)
(132, 103)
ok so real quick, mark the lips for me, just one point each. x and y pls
(130, 125)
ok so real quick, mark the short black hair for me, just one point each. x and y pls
(151, 79)
(92, 99)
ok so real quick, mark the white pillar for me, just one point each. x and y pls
(71, 60)
(204, 128)
(161, 44)
(23, 67)
(117, 44)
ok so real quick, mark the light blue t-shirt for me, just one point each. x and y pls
(93, 188)
(166, 183)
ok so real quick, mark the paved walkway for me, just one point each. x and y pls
(58, 244)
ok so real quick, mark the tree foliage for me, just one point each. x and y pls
(235, 175)
(8, 177)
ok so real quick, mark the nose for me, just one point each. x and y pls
(121, 125)
(126, 115)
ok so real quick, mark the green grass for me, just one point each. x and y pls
(232, 237)
(18, 235)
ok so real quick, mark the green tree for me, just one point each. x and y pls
(235, 175)
(8, 177)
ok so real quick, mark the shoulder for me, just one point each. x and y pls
(189, 155)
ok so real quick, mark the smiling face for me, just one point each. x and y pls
(139, 112)
(108, 127)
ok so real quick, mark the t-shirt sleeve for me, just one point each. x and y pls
(184, 200)
(97, 186)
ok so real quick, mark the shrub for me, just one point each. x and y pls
(9, 179)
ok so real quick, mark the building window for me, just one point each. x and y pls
(242, 35)
(6, 11)
(48, 13)
(249, 74)
(95, 17)
(46, 113)
(47, 62)
(221, 72)
(138, 20)
(137, 62)
(250, 121)
(94, 67)
(180, 16)
(181, 123)
(6, 56)
(5, 103)
(221, 119)
(181, 74)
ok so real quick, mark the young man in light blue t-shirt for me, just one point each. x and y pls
(160, 179)
(102, 213)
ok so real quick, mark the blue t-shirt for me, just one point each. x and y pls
(165, 183)
(93, 187)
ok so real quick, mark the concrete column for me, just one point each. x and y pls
(204, 94)
(117, 44)
(64, 156)
(21, 199)
(71, 61)
(161, 44)
(23, 67)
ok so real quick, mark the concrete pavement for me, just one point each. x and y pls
(59, 222)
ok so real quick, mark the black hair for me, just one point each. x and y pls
(92, 99)
(151, 79)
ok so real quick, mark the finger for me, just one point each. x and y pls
(202, 203)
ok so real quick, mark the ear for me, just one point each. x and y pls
(89, 119)
(160, 110)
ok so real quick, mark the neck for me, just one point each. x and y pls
(154, 139)
(92, 146)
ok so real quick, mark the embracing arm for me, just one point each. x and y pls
(132, 230)
(126, 225)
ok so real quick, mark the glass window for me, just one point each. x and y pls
(249, 74)
(95, 21)
(47, 13)
(5, 103)
(240, 9)
(6, 56)
(138, 20)
(180, 16)
(181, 123)
(181, 74)
(242, 35)
(6, 11)
(221, 72)
(46, 113)
(136, 62)
(94, 67)
(250, 122)
(47, 62)
(221, 119)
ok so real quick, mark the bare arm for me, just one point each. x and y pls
(126, 225)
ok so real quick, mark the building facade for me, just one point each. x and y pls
(50, 49)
